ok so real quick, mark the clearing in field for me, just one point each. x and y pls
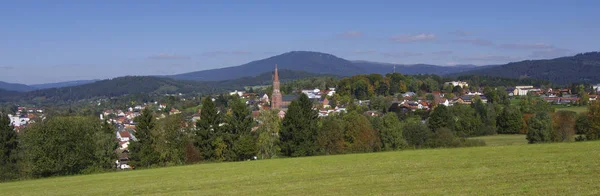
(544, 169)
(577, 109)
(503, 139)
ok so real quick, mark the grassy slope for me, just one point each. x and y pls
(503, 140)
(548, 169)
(577, 109)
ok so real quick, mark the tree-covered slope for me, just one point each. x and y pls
(15, 87)
(581, 68)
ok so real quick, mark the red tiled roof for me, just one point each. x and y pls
(124, 134)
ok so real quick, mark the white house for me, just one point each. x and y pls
(524, 90)
(457, 83)
(445, 102)
(18, 121)
(236, 92)
(596, 87)
(313, 94)
(474, 93)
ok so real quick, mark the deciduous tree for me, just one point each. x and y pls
(539, 128)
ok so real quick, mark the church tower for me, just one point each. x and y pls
(276, 99)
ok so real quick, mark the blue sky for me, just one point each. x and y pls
(53, 41)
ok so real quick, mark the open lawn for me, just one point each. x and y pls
(546, 169)
(577, 109)
(503, 140)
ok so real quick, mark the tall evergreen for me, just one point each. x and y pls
(299, 128)
(142, 151)
(207, 128)
(239, 123)
(8, 149)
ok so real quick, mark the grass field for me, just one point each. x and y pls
(503, 140)
(546, 169)
(577, 109)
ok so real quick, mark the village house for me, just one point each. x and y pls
(236, 92)
(524, 90)
(457, 83)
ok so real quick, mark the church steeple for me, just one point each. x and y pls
(276, 98)
(276, 76)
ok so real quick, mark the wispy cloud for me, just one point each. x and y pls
(165, 56)
(443, 52)
(401, 54)
(350, 34)
(461, 33)
(7, 67)
(550, 53)
(527, 46)
(475, 41)
(421, 37)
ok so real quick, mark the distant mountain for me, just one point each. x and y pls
(15, 87)
(315, 62)
(267, 78)
(384, 68)
(62, 84)
(581, 68)
(117, 87)
(147, 85)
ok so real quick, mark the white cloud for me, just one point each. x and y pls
(351, 34)
(421, 37)
(165, 56)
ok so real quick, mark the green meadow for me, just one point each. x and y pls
(576, 109)
(541, 169)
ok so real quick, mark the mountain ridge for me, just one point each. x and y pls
(580, 68)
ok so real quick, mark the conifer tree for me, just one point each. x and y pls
(299, 128)
(8, 149)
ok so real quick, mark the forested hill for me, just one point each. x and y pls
(15, 87)
(384, 68)
(146, 85)
(581, 68)
(313, 62)
(316, 62)
(115, 87)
